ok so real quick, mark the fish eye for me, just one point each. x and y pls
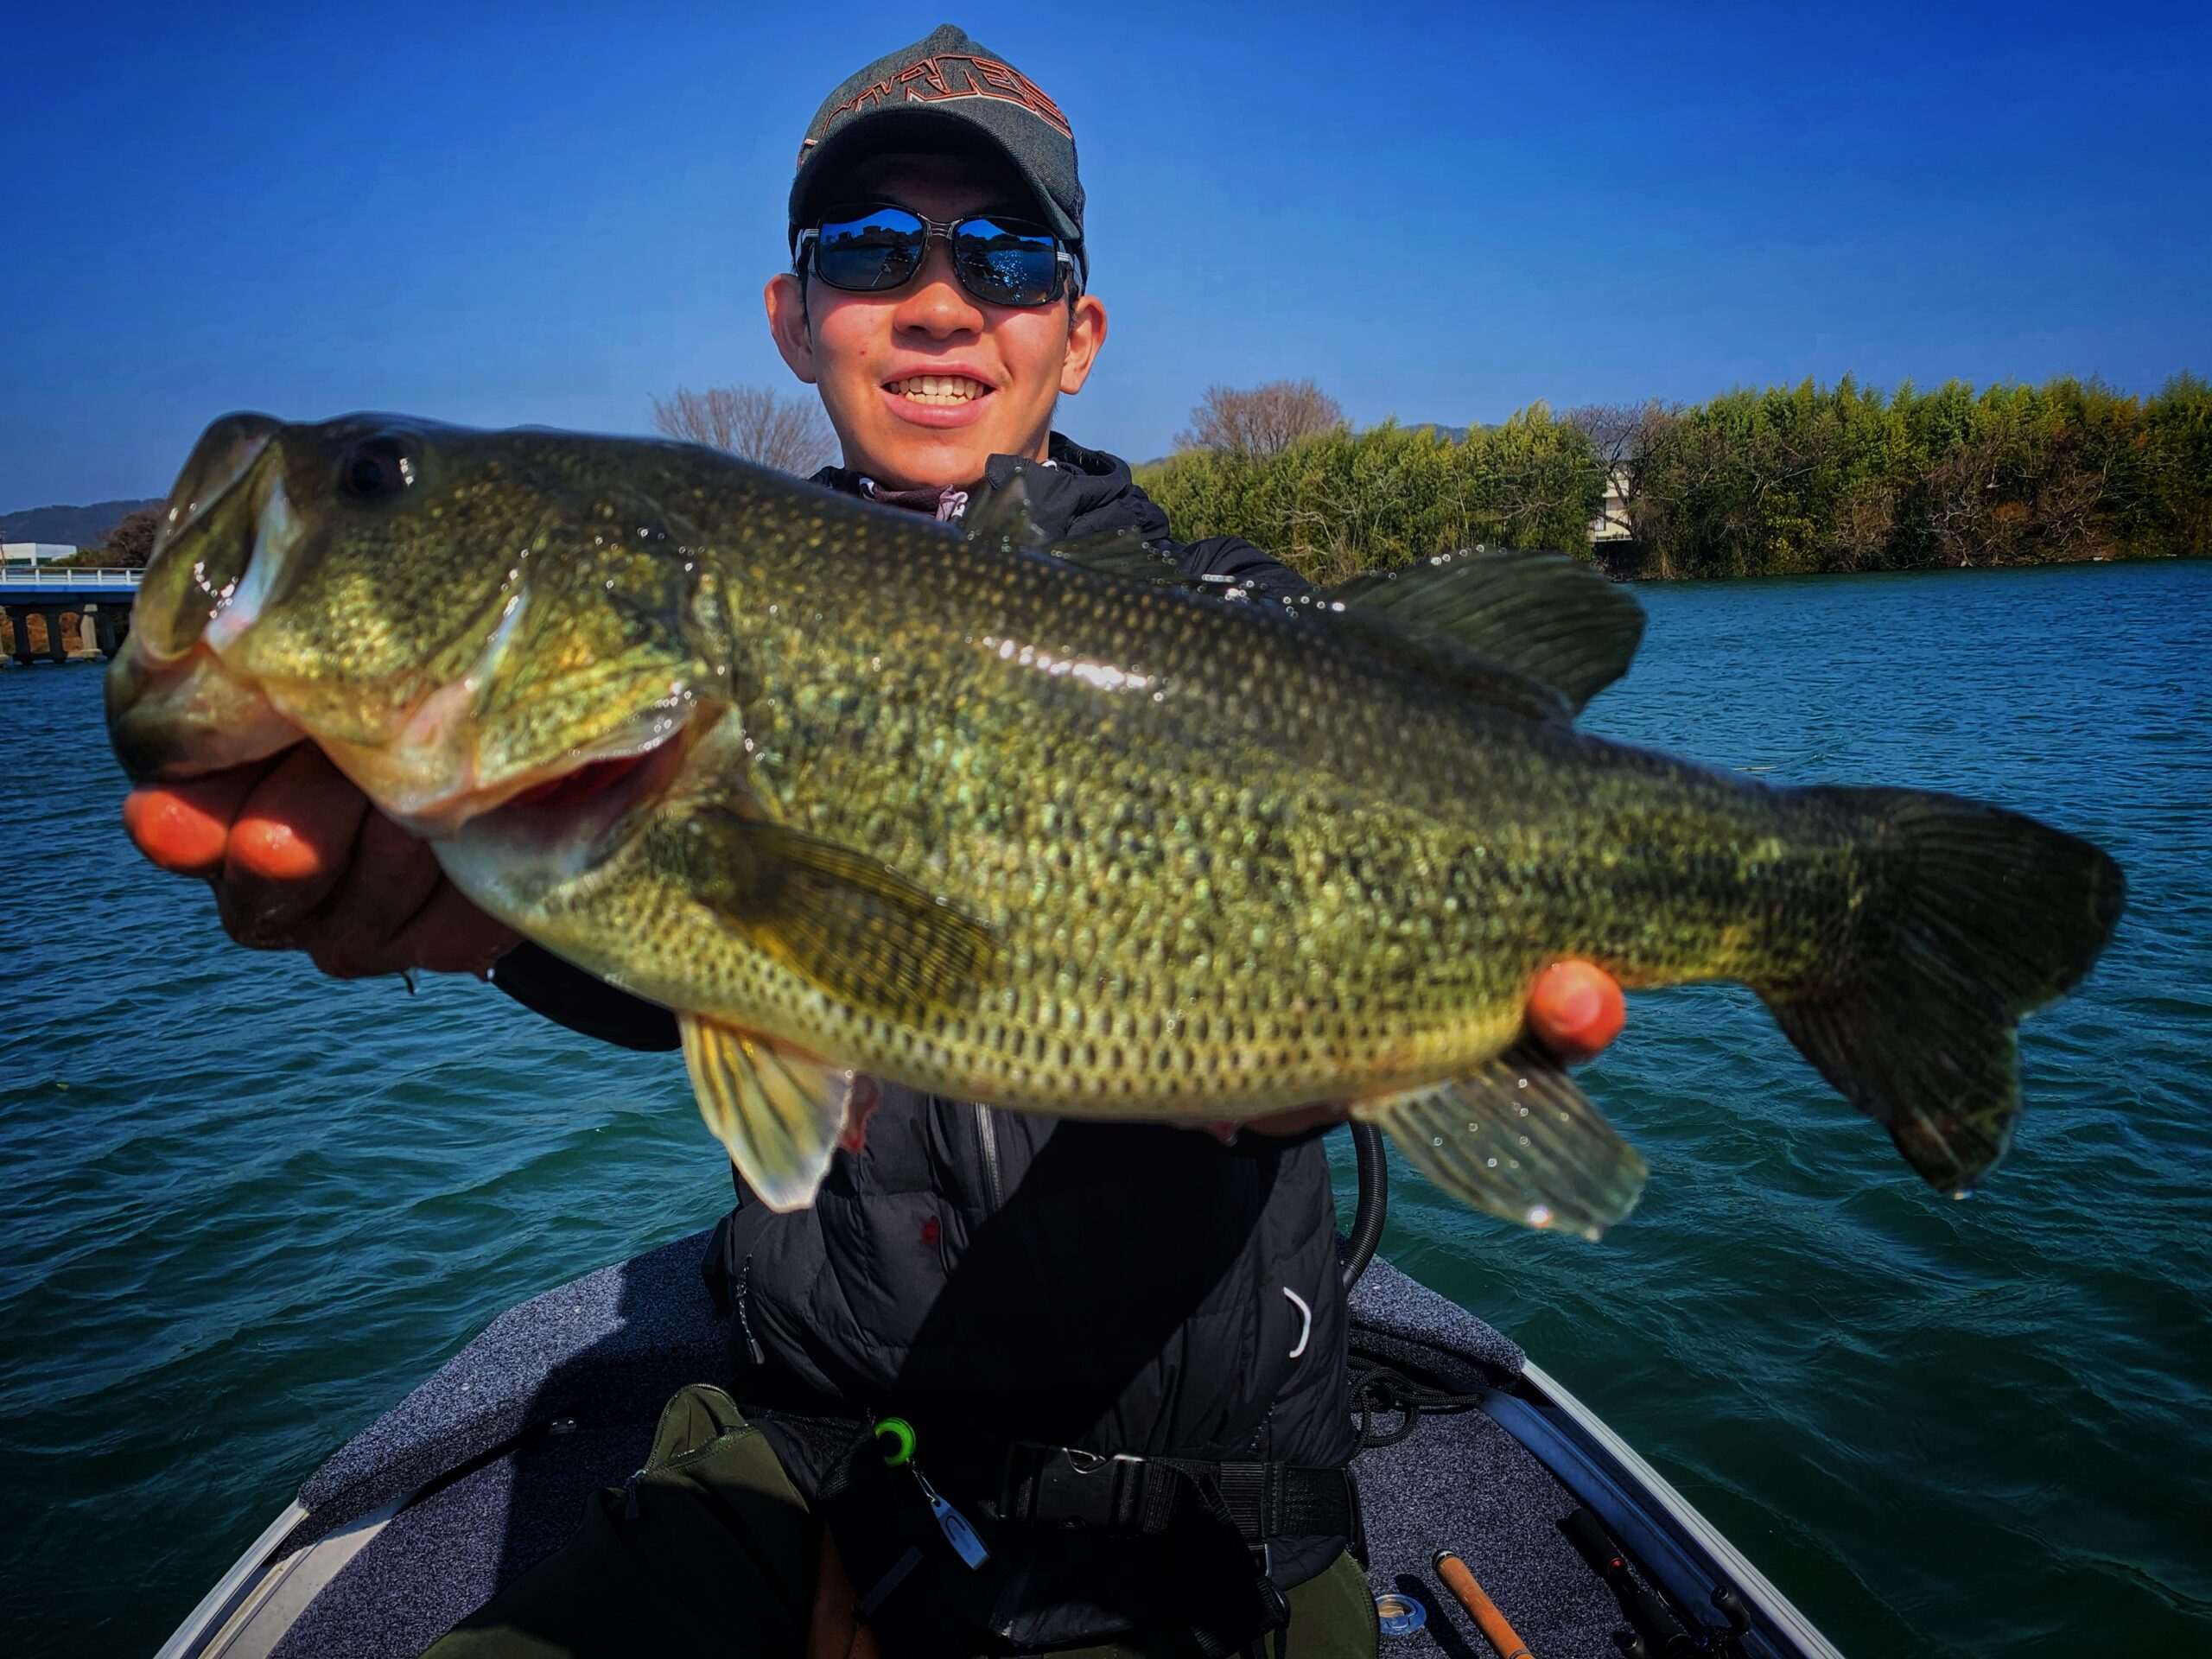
(376, 469)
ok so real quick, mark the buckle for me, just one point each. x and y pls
(1063, 1486)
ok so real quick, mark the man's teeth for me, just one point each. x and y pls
(939, 388)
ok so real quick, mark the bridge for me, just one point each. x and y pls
(98, 596)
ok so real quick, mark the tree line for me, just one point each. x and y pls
(1788, 480)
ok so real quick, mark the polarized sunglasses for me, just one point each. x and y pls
(873, 247)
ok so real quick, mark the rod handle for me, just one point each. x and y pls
(1480, 1608)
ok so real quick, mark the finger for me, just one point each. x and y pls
(1576, 1008)
(389, 879)
(450, 935)
(184, 827)
(292, 839)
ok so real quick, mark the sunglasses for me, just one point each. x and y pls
(873, 247)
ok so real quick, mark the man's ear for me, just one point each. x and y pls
(787, 324)
(1086, 333)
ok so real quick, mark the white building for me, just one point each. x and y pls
(33, 552)
(1611, 523)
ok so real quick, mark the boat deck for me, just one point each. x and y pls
(483, 1469)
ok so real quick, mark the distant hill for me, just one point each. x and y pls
(77, 527)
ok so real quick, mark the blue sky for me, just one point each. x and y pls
(541, 213)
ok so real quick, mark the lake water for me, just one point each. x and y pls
(244, 1209)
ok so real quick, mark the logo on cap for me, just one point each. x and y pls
(940, 79)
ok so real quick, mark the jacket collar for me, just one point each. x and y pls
(1082, 492)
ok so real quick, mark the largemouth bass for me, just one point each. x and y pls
(852, 792)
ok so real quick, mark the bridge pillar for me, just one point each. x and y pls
(55, 651)
(109, 623)
(19, 626)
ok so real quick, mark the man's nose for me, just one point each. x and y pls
(935, 303)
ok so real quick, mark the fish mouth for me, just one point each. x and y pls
(176, 710)
(185, 718)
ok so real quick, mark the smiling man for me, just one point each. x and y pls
(1012, 1383)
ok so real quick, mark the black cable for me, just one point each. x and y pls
(1379, 1389)
(1374, 1201)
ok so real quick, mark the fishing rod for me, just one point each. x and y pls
(1659, 1632)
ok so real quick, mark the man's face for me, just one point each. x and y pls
(868, 353)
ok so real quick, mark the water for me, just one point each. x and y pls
(243, 1209)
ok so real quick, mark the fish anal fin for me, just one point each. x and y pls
(778, 1109)
(846, 921)
(1516, 1137)
(1550, 617)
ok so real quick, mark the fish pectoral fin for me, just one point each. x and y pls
(1517, 1138)
(778, 1109)
(850, 923)
(1548, 617)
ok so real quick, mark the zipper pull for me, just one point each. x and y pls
(953, 1524)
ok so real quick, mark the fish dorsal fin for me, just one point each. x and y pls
(777, 1110)
(848, 922)
(1548, 616)
(1125, 554)
(1002, 520)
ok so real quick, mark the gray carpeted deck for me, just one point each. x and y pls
(560, 1395)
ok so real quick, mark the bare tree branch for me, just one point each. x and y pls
(1259, 421)
(790, 433)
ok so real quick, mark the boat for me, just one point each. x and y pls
(1467, 1445)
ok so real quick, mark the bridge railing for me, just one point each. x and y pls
(21, 578)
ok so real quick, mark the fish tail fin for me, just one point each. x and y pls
(1990, 915)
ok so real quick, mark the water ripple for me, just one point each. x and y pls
(243, 1209)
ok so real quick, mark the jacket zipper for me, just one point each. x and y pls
(744, 1293)
(987, 1135)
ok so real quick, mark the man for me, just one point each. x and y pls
(1024, 1295)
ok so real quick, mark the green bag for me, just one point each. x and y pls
(707, 1550)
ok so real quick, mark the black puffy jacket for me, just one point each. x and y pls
(994, 1277)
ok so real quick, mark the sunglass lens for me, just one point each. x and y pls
(1006, 262)
(864, 250)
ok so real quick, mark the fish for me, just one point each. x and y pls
(1051, 828)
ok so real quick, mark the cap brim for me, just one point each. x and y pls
(923, 130)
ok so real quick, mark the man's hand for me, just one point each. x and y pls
(836, 1631)
(1574, 1010)
(299, 860)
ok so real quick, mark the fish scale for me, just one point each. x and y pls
(1049, 829)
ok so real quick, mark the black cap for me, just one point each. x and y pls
(946, 88)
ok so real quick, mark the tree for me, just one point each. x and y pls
(1342, 502)
(790, 433)
(1260, 420)
(131, 542)
(1620, 435)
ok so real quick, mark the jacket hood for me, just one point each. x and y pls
(1078, 492)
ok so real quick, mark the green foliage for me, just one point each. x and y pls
(1803, 480)
(1342, 502)
(131, 542)
(1813, 480)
